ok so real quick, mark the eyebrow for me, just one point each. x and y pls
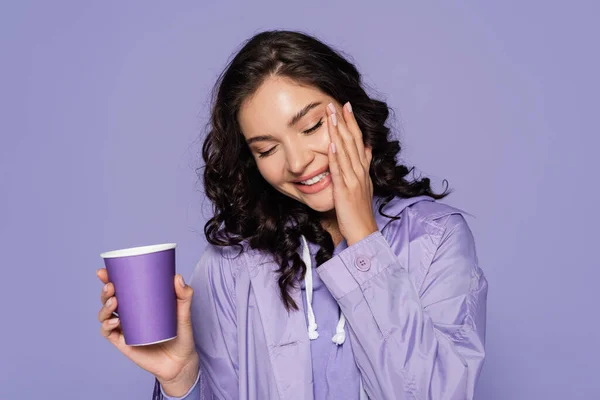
(302, 113)
(262, 138)
(292, 122)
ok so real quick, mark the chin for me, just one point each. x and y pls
(322, 208)
(321, 203)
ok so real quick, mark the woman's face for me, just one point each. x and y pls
(285, 126)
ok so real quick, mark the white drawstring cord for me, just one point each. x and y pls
(312, 323)
(340, 333)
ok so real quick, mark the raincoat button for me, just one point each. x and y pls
(362, 263)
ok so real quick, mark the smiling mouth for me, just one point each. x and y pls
(314, 180)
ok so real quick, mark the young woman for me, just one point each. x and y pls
(329, 274)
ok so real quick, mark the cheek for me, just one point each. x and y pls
(270, 169)
(320, 141)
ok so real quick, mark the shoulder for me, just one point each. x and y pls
(431, 239)
(218, 267)
(446, 222)
(427, 221)
(433, 215)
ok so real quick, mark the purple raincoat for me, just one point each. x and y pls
(412, 293)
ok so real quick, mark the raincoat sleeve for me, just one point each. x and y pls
(196, 392)
(215, 329)
(409, 342)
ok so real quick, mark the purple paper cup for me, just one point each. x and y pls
(146, 302)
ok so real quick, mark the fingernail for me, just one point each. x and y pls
(348, 107)
(113, 321)
(181, 281)
(105, 288)
(333, 119)
(333, 149)
(108, 303)
(331, 107)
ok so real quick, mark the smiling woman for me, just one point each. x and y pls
(278, 89)
(314, 219)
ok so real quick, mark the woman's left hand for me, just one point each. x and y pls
(349, 163)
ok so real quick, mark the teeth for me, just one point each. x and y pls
(316, 179)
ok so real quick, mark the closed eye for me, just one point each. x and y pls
(306, 132)
(314, 128)
(266, 153)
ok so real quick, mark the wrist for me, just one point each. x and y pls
(183, 382)
(361, 235)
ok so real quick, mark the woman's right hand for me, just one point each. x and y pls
(175, 362)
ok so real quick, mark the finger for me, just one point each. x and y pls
(108, 291)
(102, 275)
(184, 294)
(352, 124)
(107, 310)
(109, 330)
(369, 153)
(349, 141)
(334, 168)
(345, 165)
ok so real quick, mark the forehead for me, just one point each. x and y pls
(275, 102)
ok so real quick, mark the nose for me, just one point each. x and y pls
(298, 158)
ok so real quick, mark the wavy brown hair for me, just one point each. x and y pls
(249, 210)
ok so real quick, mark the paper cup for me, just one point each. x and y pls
(146, 302)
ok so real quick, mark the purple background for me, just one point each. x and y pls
(103, 103)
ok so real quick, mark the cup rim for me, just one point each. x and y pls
(136, 251)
